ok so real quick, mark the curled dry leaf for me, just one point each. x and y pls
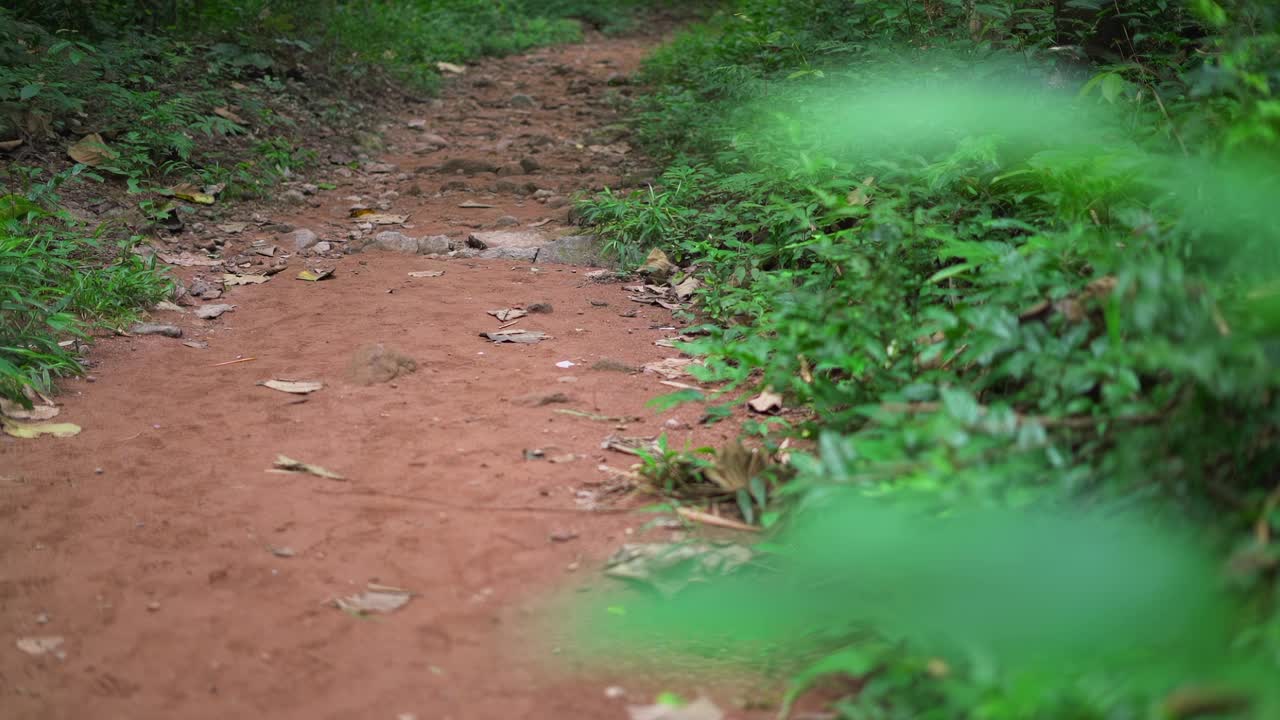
(657, 266)
(27, 430)
(426, 273)
(767, 403)
(450, 68)
(670, 368)
(287, 464)
(526, 337)
(232, 279)
(297, 387)
(376, 599)
(39, 411)
(226, 113)
(506, 314)
(190, 193)
(315, 275)
(686, 288)
(43, 645)
(10, 145)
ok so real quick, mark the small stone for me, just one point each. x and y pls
(42, 619)
(433, 139)
(302, 239)
(417, 124)
(434, 245)
(561, 536)
(343, 172)
(281, 228)
(529, 165)
(322, 247)
(172, 331)
(395, 241)
(309, 189)
(613, 692)
(506, 221)
(558, 201)
(294, 197)
(520, 100)
(379, 168)
(617, 78)
(209, 312)
(153, 606)
(543, 194)
(98, 471)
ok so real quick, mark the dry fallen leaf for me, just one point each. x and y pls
(447, 67)
(34, 430)
(186, 259)
(381, 218)
(233, 228)
(506, 314)
(426, 273)
(766, 402)
(227, 113)
(670, 368)
(474, 205)
(526, 337)
(9, 145)
(700, 709)
(297, 387)
(38, 411)
(46, 645)
(378, 598)
(686, 288)
(230, 279)
(91, 150)
(190, 193)
(315, 275)
(289, 465)
(657, 265)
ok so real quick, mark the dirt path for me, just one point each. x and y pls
(147, 541)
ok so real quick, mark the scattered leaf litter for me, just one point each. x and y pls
(506, 314)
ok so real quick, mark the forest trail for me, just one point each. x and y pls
(187, 581)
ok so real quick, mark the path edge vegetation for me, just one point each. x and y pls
(982, 319)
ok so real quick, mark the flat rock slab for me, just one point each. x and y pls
(507, 239)
(573, 250)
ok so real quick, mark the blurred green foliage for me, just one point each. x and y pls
(1012, 255)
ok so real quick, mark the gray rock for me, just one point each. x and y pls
(279, 228)
(529, 165)
(209, 312)
(510, 253)
(367, 140)
(510, 169)
(573, 250)
(434, 245)
(506, 221)
(435, 140)
(395, 242)
(467, 166)
(322, 247)
(506, 239)
(557, 202)
(293, 197)
(172, 331)
(520, 100)
(309, 189)
(543, 194)
(302, 239)
(379, 168)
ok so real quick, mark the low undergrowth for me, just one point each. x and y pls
(1008, 254)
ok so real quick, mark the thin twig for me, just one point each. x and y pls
(716, 520)
(233, 362)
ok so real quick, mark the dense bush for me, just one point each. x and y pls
(1012, 253)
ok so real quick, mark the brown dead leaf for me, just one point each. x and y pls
(91, 150)
(10, 145)
(426, 273)
(507, 314)
(233, 279)
(186, 259)
(39, 410)
(227, 113)
(284, 464)
(670, 368)
(42, 645)
(376, 599)
(297, 387)
(767, 403)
